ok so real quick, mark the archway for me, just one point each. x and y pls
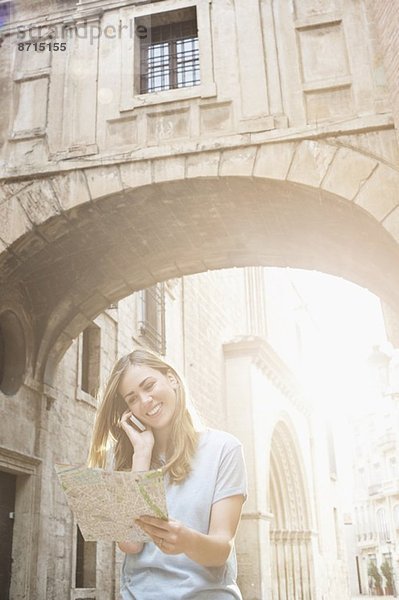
(96, 235)
(290, 532)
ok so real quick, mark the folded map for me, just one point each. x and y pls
(106, 503)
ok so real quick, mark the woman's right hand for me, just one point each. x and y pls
(142, 441)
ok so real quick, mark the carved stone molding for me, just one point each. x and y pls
(269, 362)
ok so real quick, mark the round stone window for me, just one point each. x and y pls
(12, 353)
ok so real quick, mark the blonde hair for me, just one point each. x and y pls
(183, 439)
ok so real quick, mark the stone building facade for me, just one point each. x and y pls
(376, 482)
(271, 142)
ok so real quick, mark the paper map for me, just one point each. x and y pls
(106, 503)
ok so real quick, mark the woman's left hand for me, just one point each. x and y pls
(170, 536)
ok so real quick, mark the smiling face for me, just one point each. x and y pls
(150, 395)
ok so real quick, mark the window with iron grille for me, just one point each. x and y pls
(152, 322)
(169, 52)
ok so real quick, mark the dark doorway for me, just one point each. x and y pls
(7, 507)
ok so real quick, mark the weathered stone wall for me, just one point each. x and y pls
(304, 68)
(386, 16)
(210, 320)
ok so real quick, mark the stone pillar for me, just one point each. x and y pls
(251, 58)
(43, 502)
(106, 583)
(304, 571)
(280, 584)
(255, 301)
(296, 559)
(253, 556)
(253, 544)
(291, 565)
(273, 566)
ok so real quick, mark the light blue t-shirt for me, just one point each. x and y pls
(218, 471)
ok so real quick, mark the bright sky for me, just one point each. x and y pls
(347, 323)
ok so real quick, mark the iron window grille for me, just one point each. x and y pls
(169, 56)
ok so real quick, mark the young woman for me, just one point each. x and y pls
(191, 555)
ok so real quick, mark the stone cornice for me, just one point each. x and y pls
(82, 10)
(257, 516)
(288, 535)
(16, 461)
(269, 362)
(192, 147)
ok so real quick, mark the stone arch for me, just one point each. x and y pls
(287, 478)
(12, 352)
(88, 237)
(16, 345)
(290, 531)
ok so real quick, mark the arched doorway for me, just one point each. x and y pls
(290, 527)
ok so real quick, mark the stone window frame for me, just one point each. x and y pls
(22, 74)
(81, 394)
(130, 54)
(167, 50)
(83, 593)
(26, 468)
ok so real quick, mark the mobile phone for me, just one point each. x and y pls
(138, 423)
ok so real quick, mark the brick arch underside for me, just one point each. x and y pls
(69, 268)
